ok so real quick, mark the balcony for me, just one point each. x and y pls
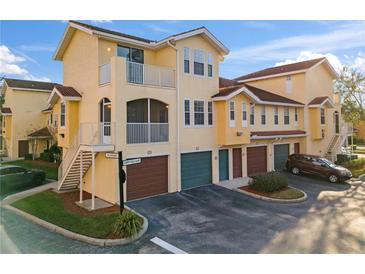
(139, 133)
(151, 75)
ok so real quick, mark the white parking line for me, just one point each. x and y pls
(167, 246)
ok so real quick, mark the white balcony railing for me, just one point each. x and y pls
(104, 74)
(145, 74)
(87, 134)
(139, 133)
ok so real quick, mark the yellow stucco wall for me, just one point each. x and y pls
(360, 127)
(26, 107)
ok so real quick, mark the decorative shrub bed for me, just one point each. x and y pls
(269, 182)
(357, 166)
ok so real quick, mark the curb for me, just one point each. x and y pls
(65, 232)
(275, 200)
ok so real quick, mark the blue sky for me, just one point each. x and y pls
(26, 47)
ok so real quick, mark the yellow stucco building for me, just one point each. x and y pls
(27, 126)
(164, 103)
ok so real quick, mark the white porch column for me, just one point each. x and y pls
(93, 181)
(81, 171)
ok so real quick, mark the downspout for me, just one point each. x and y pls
(177, 116)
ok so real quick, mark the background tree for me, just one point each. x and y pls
(351, 86)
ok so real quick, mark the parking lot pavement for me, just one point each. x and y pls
(212, 219)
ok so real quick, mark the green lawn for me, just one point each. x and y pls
(289, 193)
(49, 207)
(51, 169)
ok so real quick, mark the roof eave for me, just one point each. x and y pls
(255, 137)
(271, 76)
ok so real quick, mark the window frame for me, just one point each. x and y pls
(322, 114)
(210, 64)
(252, 115)
(186, 100)
(63, 115)
(286, 111)
(199, 52)
(210, 113)
(200, 112)
(187, 58)
(244, 115)
(296, 115)
(232, 122)
(263, 115)
(276, 115)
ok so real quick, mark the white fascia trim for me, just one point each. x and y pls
(334, 72)
(327, 101)
(256, 99)
(32, 89)
(64, 98)
(120, 39)
(6, 114)
(255, 137)
(65, 33)
(272, 76)
(192, 33)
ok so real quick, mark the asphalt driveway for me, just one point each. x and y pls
(212, 219)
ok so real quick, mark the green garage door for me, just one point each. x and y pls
(196, 169)
(223, 165)
(281, 153)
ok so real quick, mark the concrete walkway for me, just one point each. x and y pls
(235, 183)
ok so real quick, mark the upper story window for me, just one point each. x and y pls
(198, 112)
(63, 114)
(55, 120)
(244, 115)
(263, 115)
(276, 115)
(231, 114)
(323, 117)
(198, 62)
(187, 112)
(286, 116)
(186, 60)
(50, 119)
(288, 84)
(131, 54)
(210, 64)
(252, 114)
(210, 113)
(296, 115)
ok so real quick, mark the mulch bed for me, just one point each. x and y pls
(265, 194)
(70, 199)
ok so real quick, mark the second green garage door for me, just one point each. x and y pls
(281, 153)
(196, 169)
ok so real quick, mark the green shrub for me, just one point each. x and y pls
(342, 158)
(269, 182)
(56, 152)
(128, 224)
(355, 164)
(28, 156)
(46, 156)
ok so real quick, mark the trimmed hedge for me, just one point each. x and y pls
(269, 182)
(46, 156)
(28, 156)
(342, 158)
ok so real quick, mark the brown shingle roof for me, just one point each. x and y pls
(24, 84)
(112, 32)
(263, 95)
(6, 110)
(318, 100)
(224, 82)
(68, 91)
(277, 132)
(281, 69)
(267, 96)
(41, 133)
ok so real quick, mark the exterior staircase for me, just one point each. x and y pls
(333, 147)
(71, 178)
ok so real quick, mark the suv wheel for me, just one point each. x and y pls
(295, 170)
(333, 178)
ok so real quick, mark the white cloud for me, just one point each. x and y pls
(157, 28)
(259, 25)
(37, 47)
(7, 57)
(359, 62)
(9, 65)
(307, 55)
(345, 36)
(101, 21)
